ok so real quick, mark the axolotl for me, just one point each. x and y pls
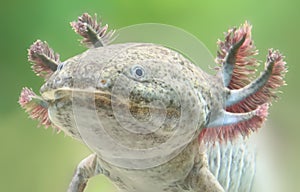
(155, 120)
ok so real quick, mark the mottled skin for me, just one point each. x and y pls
(84, 73)
(156, 121)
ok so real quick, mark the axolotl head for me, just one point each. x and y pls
(141, 92)
(144, 94)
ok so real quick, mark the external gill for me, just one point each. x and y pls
(238, 95)
(247, 100)
(93, 33)
(35, 106)
(235, 56)
(44, 59)
(227, 126)
(227, 118)
(230, 60)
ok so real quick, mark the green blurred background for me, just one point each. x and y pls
(35, 159)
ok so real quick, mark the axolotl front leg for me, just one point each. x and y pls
(87, 168)
(199, 179)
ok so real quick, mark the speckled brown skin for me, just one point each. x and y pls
(89, 78)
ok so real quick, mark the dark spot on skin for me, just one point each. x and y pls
(103, 81)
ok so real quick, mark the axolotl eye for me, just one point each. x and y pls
(137, 72)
